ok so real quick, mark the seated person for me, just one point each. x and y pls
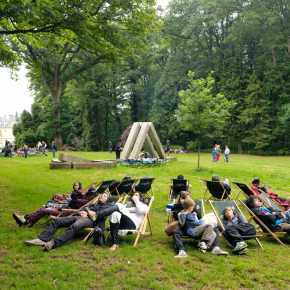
(235, 227)
(124, 218)
(226, 186)
(194, 227)
(78, 199)
(75, 223)
(116, 183)
(255, 185)
(175, 194)
(180, 151)
(275, 221)
(281, 200)
(177, 207)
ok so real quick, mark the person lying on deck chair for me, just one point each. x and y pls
(84, 219)
(78, 199)
(226, 186)
(281, 200)
(235, 227)
(193, 227)
(124, 218)
(275, 221)
(177, 207)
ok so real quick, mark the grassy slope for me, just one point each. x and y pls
(27, 184)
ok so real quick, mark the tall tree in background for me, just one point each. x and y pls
(199, 110)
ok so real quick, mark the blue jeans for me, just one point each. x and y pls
(53, 152)
(4, 154)
(227, 157)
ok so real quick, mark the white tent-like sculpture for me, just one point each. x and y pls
(142, 131)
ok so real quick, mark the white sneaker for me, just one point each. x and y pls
(217, 251)
(202, 246)
(181, 254)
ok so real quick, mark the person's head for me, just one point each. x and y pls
(127, 177)
(228, 213)
(139, 195)
(52, 142)
(218, 146)
(188, 205)
(167, 141)
(213, 149)
(183, 196)
(215, 178)
(119, 143)
(110, 142)
(266, 189)
(104, 197)
(253, 202)
(77, 186)
(256, 181)
(180, 176)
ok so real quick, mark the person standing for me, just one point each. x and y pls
(110, 146)
(227, 153)
(214, 155)
(168, 147)
(218, 151)
(118, 150)
(25, 150)
(54, 148)
(43, 145)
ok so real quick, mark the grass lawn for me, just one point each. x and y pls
(26, 184)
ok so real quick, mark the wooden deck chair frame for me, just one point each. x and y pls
(238, 210)
(170, 217)
(260, 223)
(241, 190)
(177, 192)
(207, 189)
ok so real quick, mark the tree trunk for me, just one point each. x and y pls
(239, 145)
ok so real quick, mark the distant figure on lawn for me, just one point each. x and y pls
(227, 154)
(110, 147)
(168, 147)
(214, 155)
(118, 150)
(218, 151)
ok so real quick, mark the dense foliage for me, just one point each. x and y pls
(134, 76)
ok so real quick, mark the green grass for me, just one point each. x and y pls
(27, 184)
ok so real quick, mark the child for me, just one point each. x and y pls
(191, 226)
(214, 155)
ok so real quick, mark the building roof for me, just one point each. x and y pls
(9, 123)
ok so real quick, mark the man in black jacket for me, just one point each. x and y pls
(86, 218)
(274, 220)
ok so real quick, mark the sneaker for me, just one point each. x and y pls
(36, 242)
(181, 254)
(243, 251)
(48, 245)
(20, 219)
(240, 246)
(202, 245)
(217, 251)
(202, 250)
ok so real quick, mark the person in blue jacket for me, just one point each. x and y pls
(214, 155)
(193, 227)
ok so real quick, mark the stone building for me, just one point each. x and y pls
(6, 126)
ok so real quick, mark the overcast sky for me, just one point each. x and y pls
(15, 95)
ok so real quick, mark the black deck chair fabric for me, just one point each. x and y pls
(220, 206)
(216, 190)
(178, 185)
(104, 185)
(244, 188)
(125, 186)
(144, 185)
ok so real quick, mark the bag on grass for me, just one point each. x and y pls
(171, 227)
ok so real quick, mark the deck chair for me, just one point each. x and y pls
(125, 186)
(273, 203)
(178, 185)
(243, 188)
(103, 186)
(144, 185)
(266, 230)
(220, 206)
(216, 189)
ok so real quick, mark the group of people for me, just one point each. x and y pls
(80, 214)
(8, 149)
(216, 153)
